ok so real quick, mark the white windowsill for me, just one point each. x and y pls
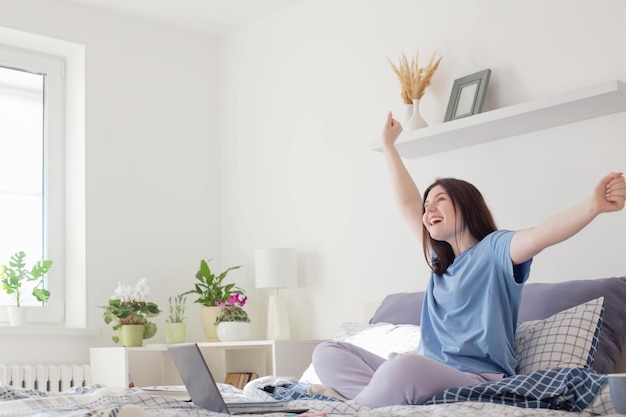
(34, 330)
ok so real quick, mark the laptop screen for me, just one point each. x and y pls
(197, 377)
(204, 391)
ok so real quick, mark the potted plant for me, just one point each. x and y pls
(233, 322)
(212, 291)
(13, 278)
(129, 311)
(175, 327)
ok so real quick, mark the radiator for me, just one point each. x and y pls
(53, 378)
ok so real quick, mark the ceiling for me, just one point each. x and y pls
(207, 17)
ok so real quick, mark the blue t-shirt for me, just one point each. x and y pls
(470, 312)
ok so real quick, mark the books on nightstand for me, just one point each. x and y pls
(240, 379)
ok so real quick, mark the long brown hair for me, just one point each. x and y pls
(474, 214)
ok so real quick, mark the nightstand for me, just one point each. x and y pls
(151, 365)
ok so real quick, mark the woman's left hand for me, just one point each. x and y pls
(610, 193)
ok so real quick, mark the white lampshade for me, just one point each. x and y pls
(276, 268)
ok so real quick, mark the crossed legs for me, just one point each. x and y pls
(373, 381)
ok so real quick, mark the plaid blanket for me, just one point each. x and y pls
(298, 391)
(99, 401)
(568, 389)
(93, 401)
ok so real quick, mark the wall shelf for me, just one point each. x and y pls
(575, 106)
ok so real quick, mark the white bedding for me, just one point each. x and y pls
(99, 401)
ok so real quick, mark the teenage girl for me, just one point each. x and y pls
(472, 299)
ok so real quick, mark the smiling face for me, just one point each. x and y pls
(455, 218)
(440, 216)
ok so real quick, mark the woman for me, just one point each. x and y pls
(472, 300)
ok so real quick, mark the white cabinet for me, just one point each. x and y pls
(600, 100)
(151, 365)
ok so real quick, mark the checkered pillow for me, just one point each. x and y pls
(566, 339)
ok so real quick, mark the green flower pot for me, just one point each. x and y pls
(175, 332)
(131, 335)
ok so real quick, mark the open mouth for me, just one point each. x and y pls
(435, 220)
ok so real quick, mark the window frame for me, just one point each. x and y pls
(64, 167)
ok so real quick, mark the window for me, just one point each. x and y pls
(21, 171)
(42, 168)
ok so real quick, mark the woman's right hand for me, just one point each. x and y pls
(404, 189)
(391, 130)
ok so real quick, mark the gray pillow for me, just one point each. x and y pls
(540, 301)
(400, 308)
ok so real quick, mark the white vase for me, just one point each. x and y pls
(233, 331)
(415, 121)
(408, 112)
(17, 315)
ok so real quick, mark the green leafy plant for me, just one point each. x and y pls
(232, 310)
(128, 306)
(177, 309)
(210, 289)
(16, 273)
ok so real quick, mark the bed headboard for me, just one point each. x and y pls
(540, 301)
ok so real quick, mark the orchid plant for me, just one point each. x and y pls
(232, 309)
(129, 306)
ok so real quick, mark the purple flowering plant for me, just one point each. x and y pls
(232, 309)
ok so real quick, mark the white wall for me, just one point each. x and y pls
(302, 95)
(152, 162)
(306, 94)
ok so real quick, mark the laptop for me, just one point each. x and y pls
(203, 390)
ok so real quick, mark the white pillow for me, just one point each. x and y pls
(566, 339)
(310, 376)
(380, 338)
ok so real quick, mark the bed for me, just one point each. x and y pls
(571, 334)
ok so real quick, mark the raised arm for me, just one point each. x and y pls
(608, 196)
(407, 195)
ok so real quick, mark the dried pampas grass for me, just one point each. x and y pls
(413, 79)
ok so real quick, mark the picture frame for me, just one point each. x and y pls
(468, 95)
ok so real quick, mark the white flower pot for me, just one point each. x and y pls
(17, 315)
(233, 331)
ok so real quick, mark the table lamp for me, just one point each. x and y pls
(276, 268)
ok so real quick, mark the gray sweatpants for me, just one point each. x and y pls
(373, 381)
